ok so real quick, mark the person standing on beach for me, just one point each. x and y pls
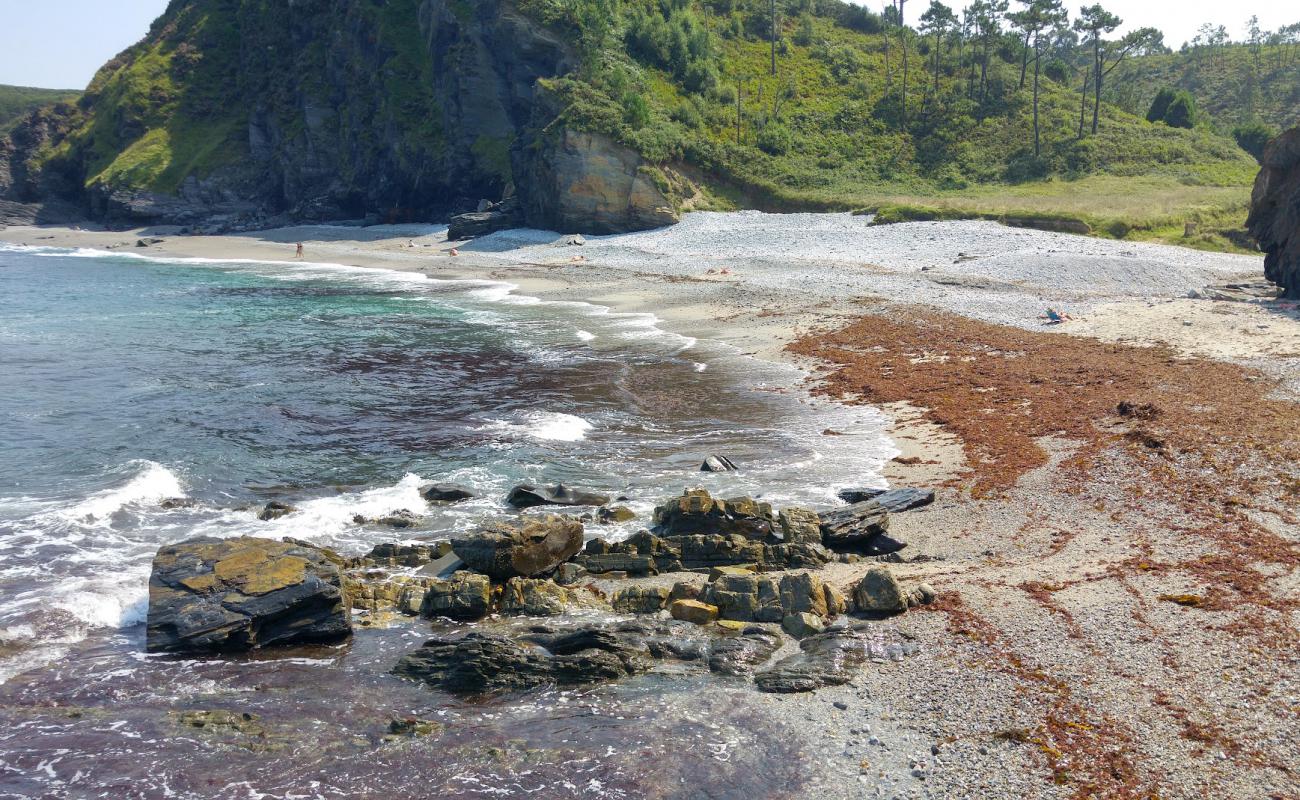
(299, 253)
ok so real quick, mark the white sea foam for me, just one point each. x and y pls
(151, 483)
(550, 426)
(586, 336)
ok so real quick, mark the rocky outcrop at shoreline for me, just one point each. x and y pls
(237, 594)
(1275, 212)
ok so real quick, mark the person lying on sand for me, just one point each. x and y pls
(1054, 317)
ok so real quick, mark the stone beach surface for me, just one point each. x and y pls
(1056, 660)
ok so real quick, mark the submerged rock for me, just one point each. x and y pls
(739, 655)
(529, 496)
(532, 547)
(212, 594)
(274, 510)
(830, 658)
(442, 493)
(480, 662)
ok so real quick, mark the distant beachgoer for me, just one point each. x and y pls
(1054, 317)
(299, 253)
(455, 252)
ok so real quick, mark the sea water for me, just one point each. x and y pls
(126, 382)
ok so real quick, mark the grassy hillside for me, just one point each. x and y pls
(1234, 83)
(691, 82)
(17, 101)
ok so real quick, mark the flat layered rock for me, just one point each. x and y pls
(228, 595)
(528, 496)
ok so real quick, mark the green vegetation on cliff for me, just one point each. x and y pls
(833, 126)
(17, 102)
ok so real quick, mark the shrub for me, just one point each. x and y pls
(1160, 105)
(636, 111)
(1057, 70)
(774, 139)
(1253, 137)
(1182, 111)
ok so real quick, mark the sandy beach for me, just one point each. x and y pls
(1114, 544)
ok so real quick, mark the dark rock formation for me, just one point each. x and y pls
(717, 464)
(831, 658)
(274, 510)
(236, 594)
(478, 663)
(1275, 212)
(739, 655)
(526, 549)
(463, 596)
(440, 493)
(497, 217)
(854, 527)
(528, 496)
(696, 512)
(894, 501)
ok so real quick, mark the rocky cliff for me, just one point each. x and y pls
(1275, 212)
(242, 113)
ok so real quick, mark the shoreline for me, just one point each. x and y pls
(1053, 665)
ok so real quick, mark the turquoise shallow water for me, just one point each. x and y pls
(127, 381)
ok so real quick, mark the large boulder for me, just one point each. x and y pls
(496, 217)
(894, 501)
(222, 595)
(533, 597)
(1275, 212)
(879, 592)
(526, 549)
(856, 527)
(527, 496)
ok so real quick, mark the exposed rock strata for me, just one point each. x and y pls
(210, 594)
(1275, 212)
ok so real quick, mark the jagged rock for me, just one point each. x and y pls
(528, 496)
(211, 594)
(696, 512)
(802, 624)
(401, 518)
(391, 554)
(802, 555)
(463, 596)
(534, 546)
(693, 611)
(803, 593)
(854, 525)
(835, 602)
(746, 598)
(274, 510)
(1275, 212)
(879, 592)
(609, 515)
(411, 727)
(683, 591)
(800, 526)
(640, 599)
(629, 563)
(441, 493)
(533, 597)
(853, 496)
(569, 574)
(479, 662)
(717, 550)
(737, 569)
(718, 464)
(569, 179)
(496, 217)
(173, 503)
(896, 501)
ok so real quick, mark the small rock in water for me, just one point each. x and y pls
(717, 463)
(438, 493)
(528, 496)
(274, 510)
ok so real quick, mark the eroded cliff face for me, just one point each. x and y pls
(244, 113)
(1275, 212)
